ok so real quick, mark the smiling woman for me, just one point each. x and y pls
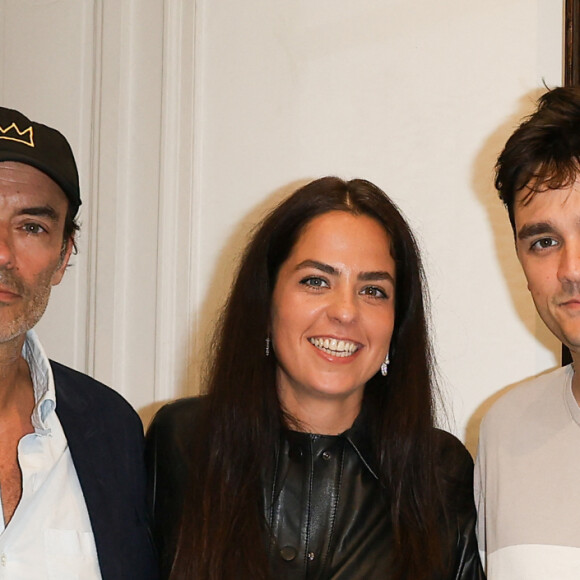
(333, 312)
(316, 433)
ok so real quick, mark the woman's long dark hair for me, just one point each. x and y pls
(223, 531)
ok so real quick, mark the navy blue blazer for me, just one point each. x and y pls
(105, 437)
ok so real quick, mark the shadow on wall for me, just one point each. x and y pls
(215, 297)
(221, 282)
(148, 412)
(482, 182)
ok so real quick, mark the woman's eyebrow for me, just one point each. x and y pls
(332, 271)
(328, 269)
(378, 275)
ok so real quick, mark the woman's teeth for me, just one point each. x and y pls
(335, 347)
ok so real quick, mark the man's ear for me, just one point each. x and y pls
(65, 255)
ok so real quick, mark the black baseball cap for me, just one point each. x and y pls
(42, 147)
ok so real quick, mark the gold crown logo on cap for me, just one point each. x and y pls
(13, 133)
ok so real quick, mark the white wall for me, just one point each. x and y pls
(191, 118)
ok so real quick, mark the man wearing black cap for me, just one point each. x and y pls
(71, 475)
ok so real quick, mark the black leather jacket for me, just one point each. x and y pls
(323, 503)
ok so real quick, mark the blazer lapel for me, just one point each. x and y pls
(86, 437)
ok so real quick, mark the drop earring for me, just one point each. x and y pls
(267, 349)
(385, 366)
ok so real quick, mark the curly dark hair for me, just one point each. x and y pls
(544, 151)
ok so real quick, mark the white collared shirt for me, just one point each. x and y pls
(50, 535)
